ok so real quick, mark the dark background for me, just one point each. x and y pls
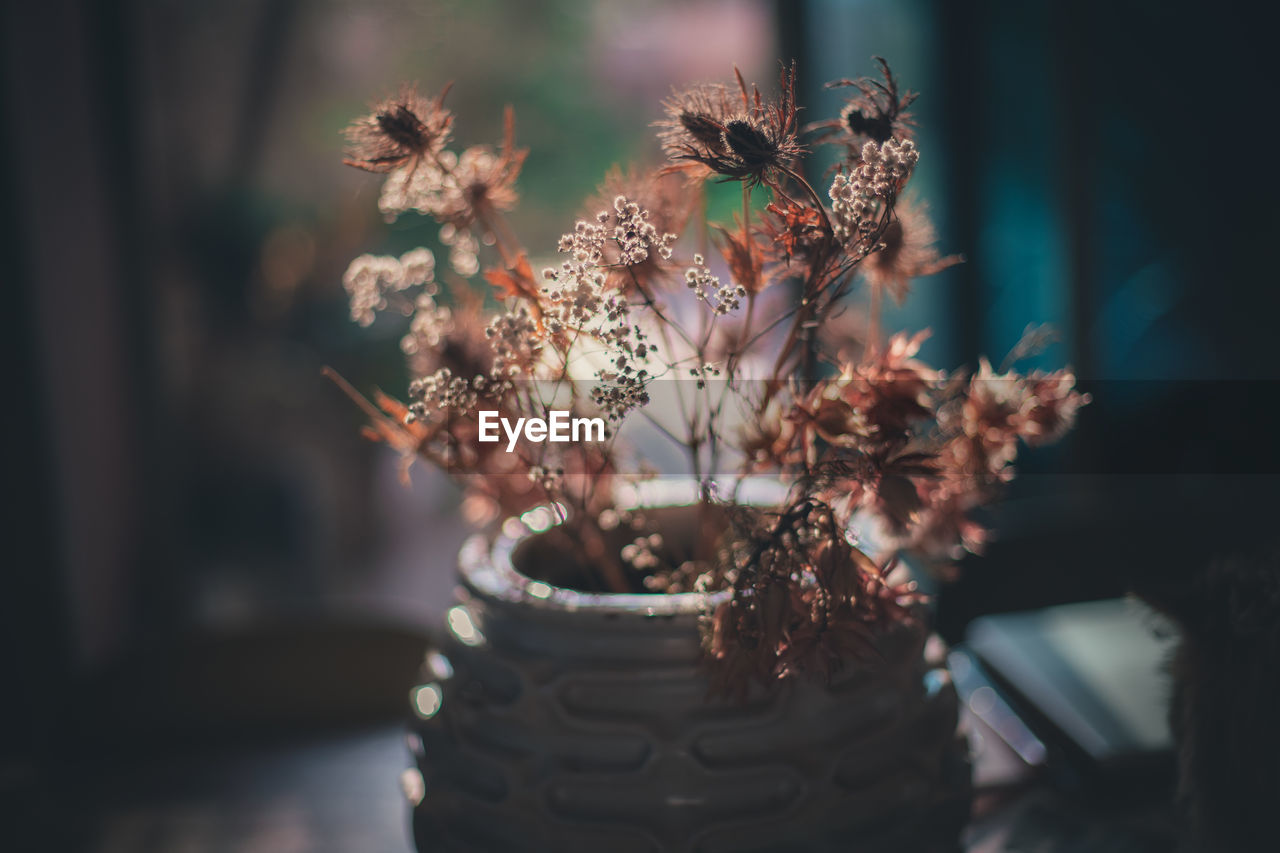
(200, 551)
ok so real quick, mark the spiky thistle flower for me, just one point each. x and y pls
(738, 136)
(876, 113)
(399, 131)
(460, 189)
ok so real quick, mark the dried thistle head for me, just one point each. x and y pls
(459, 191)
(738, 136)
(399, 131)
(696, 117)
(876, 113)
(906, 251)
(481, 182)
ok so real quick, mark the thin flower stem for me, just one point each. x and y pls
(713, 412)
(735, 357)
(503, 230)
(370, 410)
(652, 305)
(662, 429)
(495, 224)
(875, 298)
(746, 323)
(704, 237)
(691, 444)
(378, 416)
(813, 194)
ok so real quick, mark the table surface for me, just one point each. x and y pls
(334, 793)
(339, 792)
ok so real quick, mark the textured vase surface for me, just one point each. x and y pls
(555, 720)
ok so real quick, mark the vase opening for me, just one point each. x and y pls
(685, 534)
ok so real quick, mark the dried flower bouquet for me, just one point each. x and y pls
(749, 330)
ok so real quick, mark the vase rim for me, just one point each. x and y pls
(486, 565)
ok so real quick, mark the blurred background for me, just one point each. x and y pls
(204, 558)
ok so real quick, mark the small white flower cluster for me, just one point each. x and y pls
(464, 249)
(370, 278)
(516, 343)
(620, 393)
(476, 167)
(585, 306)
(635, 235)
(419, 266)
(577, 289)
(445, 190)
(439, 187)
(427, 327)
(438, 391)
(706, 287)
(642, 553)
(857, 199)
(420, 187)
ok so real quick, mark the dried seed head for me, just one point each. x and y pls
(737, 135)
(906, 251)
(400, 131)
(876, 112)
(704, 129)
(751, 145)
